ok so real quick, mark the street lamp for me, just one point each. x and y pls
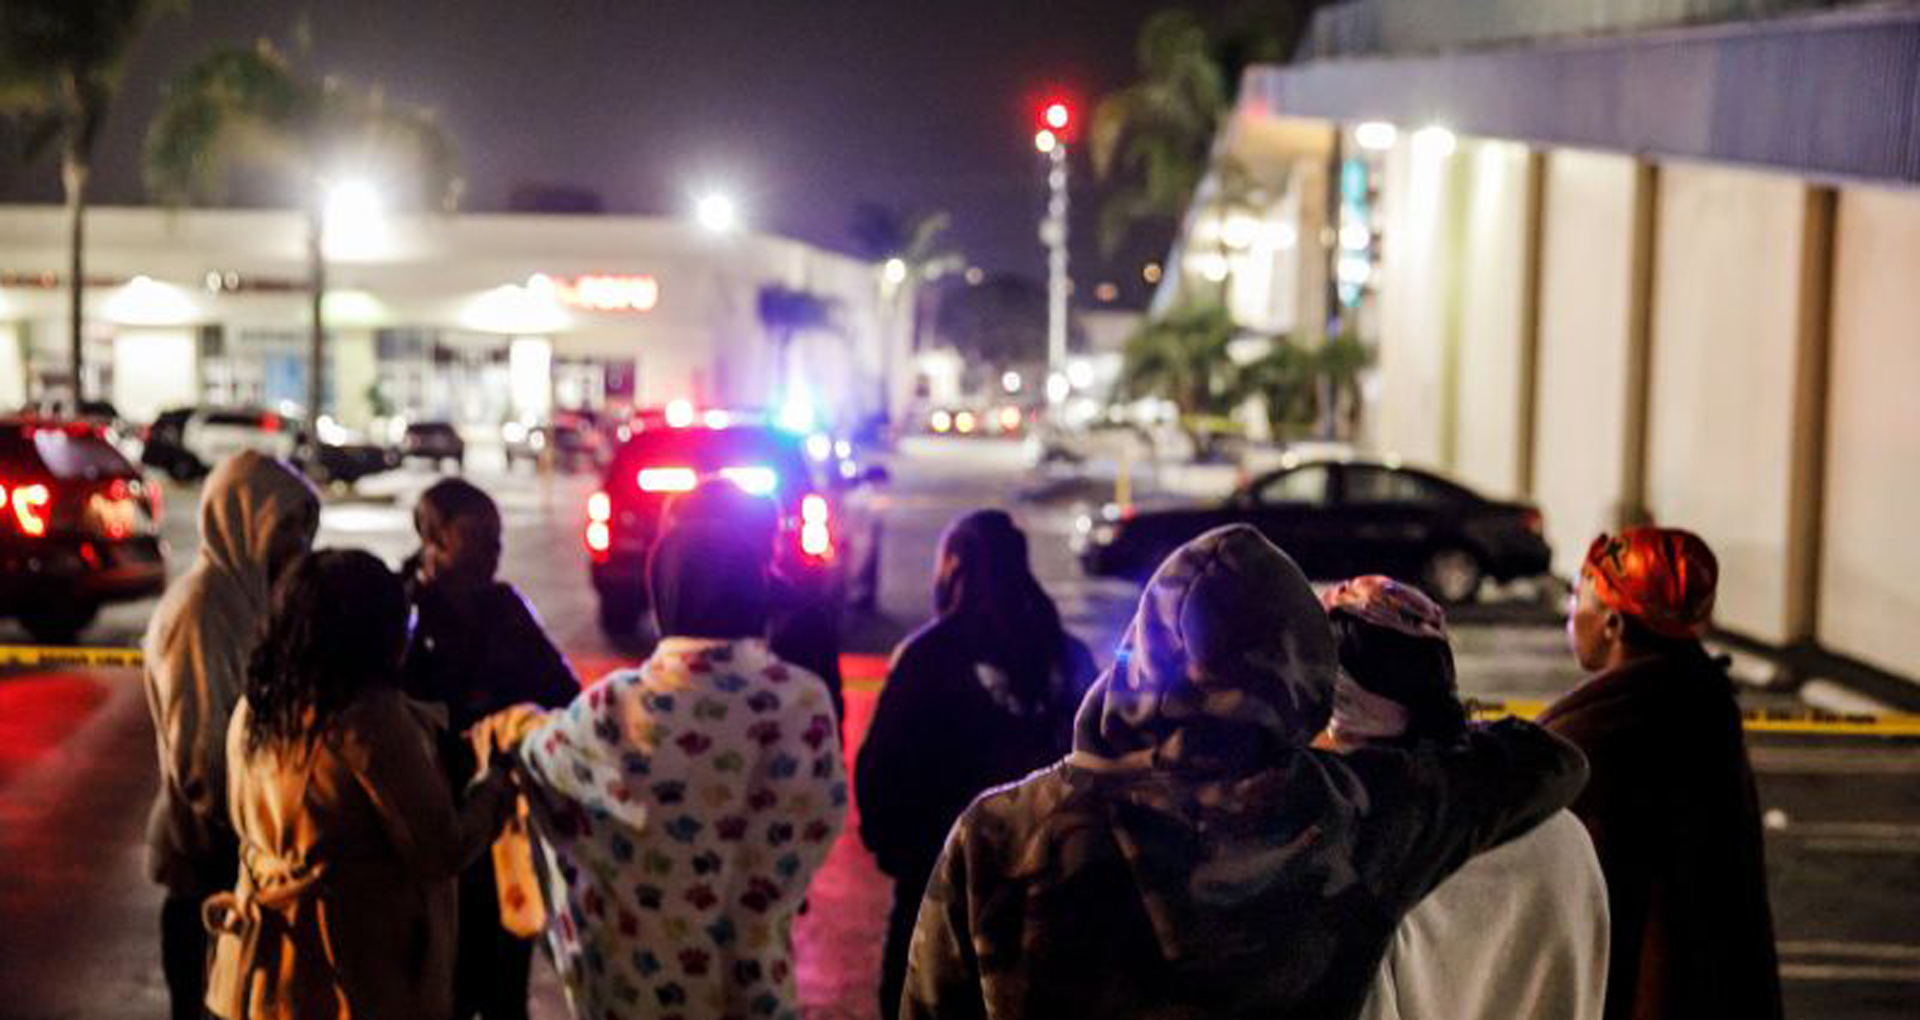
(1056, 122)
(716, 213)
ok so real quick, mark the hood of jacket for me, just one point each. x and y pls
(1194, 747)
(247, 502)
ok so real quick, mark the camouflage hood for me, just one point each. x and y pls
(1197, 741)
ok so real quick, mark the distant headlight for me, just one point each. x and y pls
(1104, 534)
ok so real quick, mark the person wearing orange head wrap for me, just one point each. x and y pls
(1670, 802)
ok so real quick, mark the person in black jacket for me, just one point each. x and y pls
(477, 648)
(981, 695)
(1672, 807)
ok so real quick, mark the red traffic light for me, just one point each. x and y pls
(1056, 115)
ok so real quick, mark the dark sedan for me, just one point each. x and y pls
(1339, 519)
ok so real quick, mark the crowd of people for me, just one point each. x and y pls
(381, 789)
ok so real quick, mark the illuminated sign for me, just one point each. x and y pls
(601, 292)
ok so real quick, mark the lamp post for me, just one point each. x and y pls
(1056, 118)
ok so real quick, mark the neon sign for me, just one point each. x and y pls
(601, 292)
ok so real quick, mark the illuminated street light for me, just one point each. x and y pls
(352, 205)
(894, 271)
(1375, 135)
(1433, 142)
(716, 213)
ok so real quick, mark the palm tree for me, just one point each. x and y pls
(918, 239)
(786, 312)
(253, 106)
(1155, 134)
(61, 62)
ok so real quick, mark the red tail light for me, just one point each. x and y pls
(1531, 520)
(30, 508)
(816, 541)
(599, 530)
(269, 422)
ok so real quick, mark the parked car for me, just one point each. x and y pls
(186, 442)
(1339, 518)
(573, 446)
(336, 454)
(79, 526)
(435, 441)
(830, 534)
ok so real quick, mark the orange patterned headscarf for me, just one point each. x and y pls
(1663, 577)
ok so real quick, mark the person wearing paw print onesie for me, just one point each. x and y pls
(682, 807)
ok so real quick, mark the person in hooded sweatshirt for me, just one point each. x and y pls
(1672, 807)
(257, 516)
(1194, 856)
(1520, 930)
(683, 806)
(349, 838)
(478, 648)
(982, 695)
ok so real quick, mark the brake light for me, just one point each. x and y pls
(30, 508)
(599, 507)
(269, 422)
(1009, 419)
(815, 540)
(667, 479)
(758, 481)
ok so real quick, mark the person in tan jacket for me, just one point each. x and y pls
(350, 840)
(257, 515)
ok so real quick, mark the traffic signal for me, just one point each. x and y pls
(1057, 116)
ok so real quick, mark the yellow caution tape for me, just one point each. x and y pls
(1756, 720)
(59, 656)
(867, 673)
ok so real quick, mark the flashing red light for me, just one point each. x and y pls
(599, 537)
(599, 507)
(667, 479)
(1057, 115)
(30, 508)
(679, 414)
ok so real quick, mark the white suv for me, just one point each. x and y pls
(186, 442)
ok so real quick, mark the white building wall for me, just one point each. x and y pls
(1869, 595)
(1415, 305)
(1585, 294)
(1725, 315)
(1491, 277)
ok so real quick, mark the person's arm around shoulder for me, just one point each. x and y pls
(1496, 782)
(943, 971)
(389, 747)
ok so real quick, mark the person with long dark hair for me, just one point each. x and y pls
(981, 695)
(349, 837)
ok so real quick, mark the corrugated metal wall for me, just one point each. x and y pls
(1833, 95)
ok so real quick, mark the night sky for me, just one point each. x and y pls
(801, 108)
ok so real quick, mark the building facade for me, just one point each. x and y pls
(474, 319)
(1637, 261)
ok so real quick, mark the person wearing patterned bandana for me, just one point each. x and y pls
(1672, 807)
(1542, 890)
(1194, 855)
(682, 807)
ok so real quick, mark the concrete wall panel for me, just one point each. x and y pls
(1584, 306)
(1415, 306)
(1492, 284)
(1725, 328)
(1870, 566)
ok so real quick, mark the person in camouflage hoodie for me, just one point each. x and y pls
(1193, 856)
